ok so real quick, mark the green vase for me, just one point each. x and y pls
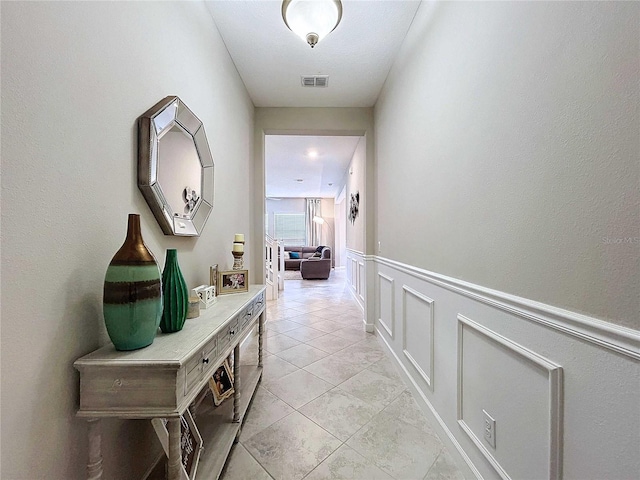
(132, 301)
(174, 291)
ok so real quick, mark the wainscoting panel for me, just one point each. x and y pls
(562, 387)
(354, 274)
(385, 307)
(529, 383)
(356, 277)
(417, 332)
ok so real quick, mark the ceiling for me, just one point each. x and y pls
(289, 158)
(270, 59)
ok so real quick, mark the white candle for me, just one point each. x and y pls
(239, 238)
(238, 247)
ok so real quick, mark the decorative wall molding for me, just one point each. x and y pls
(431, 409)
(357, 283)
(361, 280)
(388, 328)
(426, 376)
(604, 334)
(354, 273)
(555, 379)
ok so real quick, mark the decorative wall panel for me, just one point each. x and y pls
(527, 407)
(386, 303)
(354, 274)
(417, 332)
(361, 280)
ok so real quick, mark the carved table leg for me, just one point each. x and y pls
(94, 467)
(236, 380)
(260, 335)
(175, 453)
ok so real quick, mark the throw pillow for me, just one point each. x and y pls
(316, 255)
(319, 249)
(287, 255)
(294, 255)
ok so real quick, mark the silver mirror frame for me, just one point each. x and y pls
(152, 124)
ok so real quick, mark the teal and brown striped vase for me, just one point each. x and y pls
(132, 303)
(176, 296)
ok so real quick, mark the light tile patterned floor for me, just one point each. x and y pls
(331, 404)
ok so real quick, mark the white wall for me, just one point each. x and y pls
(563, 388)
(507, 160)
(507, 150)
(75, 77)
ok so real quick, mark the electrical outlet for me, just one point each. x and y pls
(489, 429)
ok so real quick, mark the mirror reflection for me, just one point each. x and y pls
(179, 170)
(175, 167)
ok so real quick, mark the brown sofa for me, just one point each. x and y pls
(310, 267)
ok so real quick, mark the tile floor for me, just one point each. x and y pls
(331, 405)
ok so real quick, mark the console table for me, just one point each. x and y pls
(163, 379)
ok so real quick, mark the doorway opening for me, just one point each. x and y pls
(307, 182)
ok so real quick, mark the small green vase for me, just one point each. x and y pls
(132, 301)
(174, 291)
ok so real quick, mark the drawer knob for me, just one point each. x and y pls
(232, 332)
(205, 360)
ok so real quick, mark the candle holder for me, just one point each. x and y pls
(238, 251)
(237, 260)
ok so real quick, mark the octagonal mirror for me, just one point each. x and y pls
(175, 167)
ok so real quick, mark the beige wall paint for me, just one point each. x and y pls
(75, 77)
(508, 152)
(306, 121)
(355, 180)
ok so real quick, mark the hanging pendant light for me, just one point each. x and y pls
(312, 20)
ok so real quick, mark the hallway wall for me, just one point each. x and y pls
(507, 149)
(355, 181)
(75, 78)
(507, 213)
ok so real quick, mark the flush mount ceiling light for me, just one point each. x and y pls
(312, 20)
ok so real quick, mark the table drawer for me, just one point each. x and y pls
(228, 333)
(197, 366)
(258, 304)
(245, 318)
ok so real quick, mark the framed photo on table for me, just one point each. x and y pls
(221, 383)
(233, 281)
(213, 277)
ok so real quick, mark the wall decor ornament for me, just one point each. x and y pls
(354, 205)
(132, 301)
(176, 296)
(175, 167)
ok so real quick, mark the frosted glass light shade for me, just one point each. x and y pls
(311, 20)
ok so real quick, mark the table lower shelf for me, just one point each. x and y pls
(217, 428)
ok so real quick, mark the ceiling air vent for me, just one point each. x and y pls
(315, 80)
